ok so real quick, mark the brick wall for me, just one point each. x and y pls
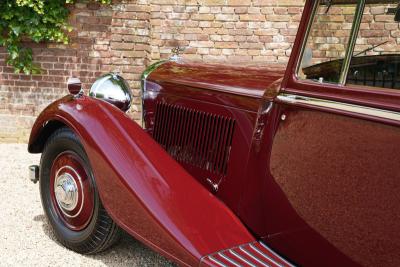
(331, 32)
(129, 35)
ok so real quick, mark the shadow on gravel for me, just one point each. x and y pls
(46, 227)
(127, 252)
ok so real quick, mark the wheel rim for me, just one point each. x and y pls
(71, 191)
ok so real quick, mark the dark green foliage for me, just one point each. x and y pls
(36, 20)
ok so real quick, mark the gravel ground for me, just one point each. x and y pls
(26, 238)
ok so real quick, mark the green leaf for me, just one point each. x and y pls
(16, 30)
(36, 20)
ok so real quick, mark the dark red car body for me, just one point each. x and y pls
(226, 159)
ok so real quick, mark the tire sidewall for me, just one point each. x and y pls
(61, 141)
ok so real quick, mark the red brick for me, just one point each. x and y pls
(132, 34)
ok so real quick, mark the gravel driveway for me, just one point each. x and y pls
(25, 236)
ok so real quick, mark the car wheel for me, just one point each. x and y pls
(70, 198)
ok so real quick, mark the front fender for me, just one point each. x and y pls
(143, 189)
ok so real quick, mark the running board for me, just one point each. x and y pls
(252, 254)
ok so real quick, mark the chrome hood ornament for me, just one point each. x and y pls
(176, 51)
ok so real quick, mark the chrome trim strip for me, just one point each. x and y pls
(253, 257)
(352, 41)
(263, 255)
(217, 261)
(241, 258)
(357, 109)
(229, 259)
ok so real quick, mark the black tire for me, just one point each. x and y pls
(100, 232)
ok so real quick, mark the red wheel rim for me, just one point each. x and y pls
(71, 191)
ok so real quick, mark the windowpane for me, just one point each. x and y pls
(376, 58)
(327, 42)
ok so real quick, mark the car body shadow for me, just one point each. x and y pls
(127, 252)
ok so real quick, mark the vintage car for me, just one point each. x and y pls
(235, 165)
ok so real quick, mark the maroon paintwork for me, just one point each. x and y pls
(215, 89)
(347, 171)
(345, 166)
(144, 190)
(216, 79)
(319, 187)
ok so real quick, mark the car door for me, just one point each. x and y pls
(336, 150)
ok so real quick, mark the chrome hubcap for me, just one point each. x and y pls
(66, 192)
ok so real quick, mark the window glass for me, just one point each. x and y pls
(327, 41)
(376, 57)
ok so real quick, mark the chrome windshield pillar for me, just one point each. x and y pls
(352, 42)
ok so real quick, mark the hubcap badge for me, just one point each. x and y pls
(66, 192)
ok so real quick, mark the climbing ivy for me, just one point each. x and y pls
(35, 20)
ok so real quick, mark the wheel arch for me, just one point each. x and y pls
(144, 190)
(61, 113)
(37, 142)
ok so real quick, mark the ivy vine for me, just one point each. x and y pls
(35, 20)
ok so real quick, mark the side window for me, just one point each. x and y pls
(376, 57)
(327, 42)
